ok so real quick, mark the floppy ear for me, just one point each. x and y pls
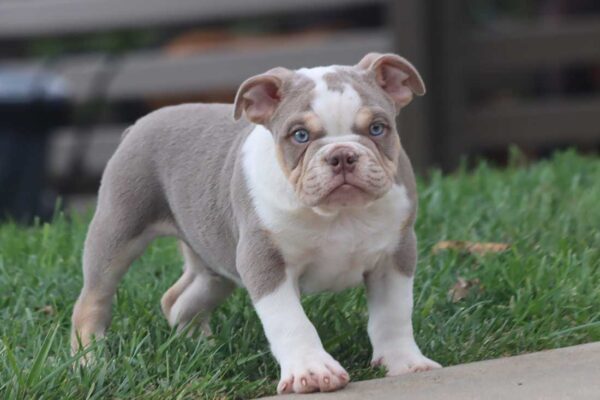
(260, 96)
(396, 76)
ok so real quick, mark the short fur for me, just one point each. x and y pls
(253, 207)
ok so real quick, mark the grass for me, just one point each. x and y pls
(544, 292)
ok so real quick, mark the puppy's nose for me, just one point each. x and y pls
(342, 159)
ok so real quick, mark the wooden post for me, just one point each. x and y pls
(449, 78)
(408, 21)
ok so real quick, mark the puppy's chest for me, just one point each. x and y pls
(338, 261)
(335, 254)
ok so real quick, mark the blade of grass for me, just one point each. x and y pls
(12, 363)
(41, 357)
(573, 329)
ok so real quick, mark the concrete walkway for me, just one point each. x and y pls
(568, 373)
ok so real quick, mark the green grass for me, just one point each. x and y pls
(544, 292)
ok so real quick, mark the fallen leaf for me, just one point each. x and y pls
(470, 247)
(461, 288)
(48, 310)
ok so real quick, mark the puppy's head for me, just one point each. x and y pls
(334, 127)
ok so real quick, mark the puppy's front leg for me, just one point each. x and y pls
(390, 298)
(305, 365)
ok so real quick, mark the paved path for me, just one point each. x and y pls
(568, 373)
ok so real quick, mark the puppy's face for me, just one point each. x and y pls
(336, 137)
(334, 127)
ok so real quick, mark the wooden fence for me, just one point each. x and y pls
(470, 58)
(436, 130)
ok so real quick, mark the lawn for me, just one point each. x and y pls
(541, 293)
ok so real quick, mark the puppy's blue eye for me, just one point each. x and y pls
(376, 129)
(301, 136)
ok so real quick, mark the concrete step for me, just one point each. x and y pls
(567, 373)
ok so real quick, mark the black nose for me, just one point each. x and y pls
(342, 159)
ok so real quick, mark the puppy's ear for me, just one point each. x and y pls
(396, 76)
(260, 95)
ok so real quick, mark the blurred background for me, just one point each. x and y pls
(75, 73)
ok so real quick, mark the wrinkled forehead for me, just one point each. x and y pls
(334, 95)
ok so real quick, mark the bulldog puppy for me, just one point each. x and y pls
(311, 191)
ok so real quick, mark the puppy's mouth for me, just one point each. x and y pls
(346, 192)
(345, 187)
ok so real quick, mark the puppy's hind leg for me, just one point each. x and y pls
(197, 292)
(110, 247)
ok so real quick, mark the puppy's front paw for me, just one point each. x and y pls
(312, 372)
(404, 362)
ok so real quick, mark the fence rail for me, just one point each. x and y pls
(156, 73)
(36, 18)
(535, 124)
(537, 44)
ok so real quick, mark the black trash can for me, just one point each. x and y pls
(32, 104)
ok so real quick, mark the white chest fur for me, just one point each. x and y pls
(333, 252)
(325, 252)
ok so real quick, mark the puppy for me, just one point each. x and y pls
(311, 191)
